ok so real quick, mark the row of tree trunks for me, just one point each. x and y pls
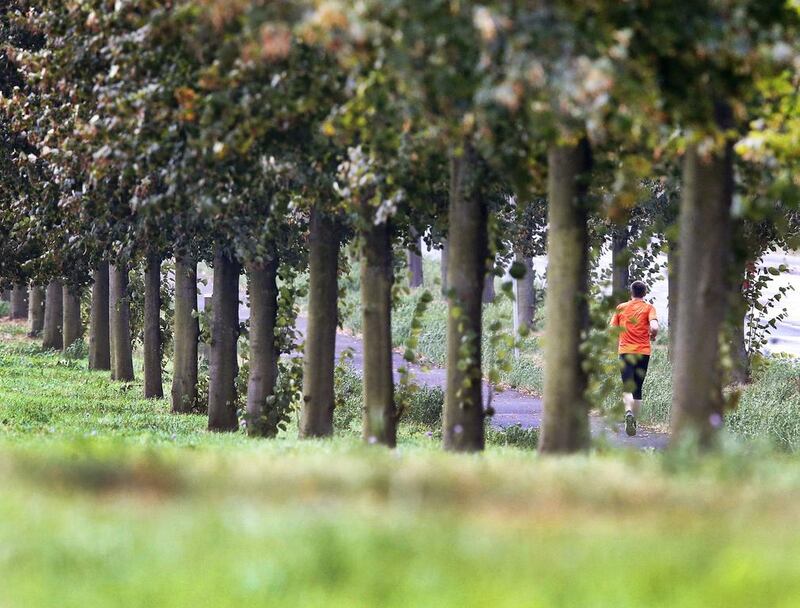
(467, 250)
(72, 326)
(526, 293)
(52, 336)
(620, 264)
(414, 260)
(566, 424)
(186, 336)
(19, 302)
(120, 324)
(223, 364)
(740, 358)
(488, 294)
(99, 329)
(672, 295)
(263, 292)
(36, 311)
(316, 418)
(380, 418)
(444, 264)
(702, 292)
(153, 382)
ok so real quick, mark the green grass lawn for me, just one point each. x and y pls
(109, 500)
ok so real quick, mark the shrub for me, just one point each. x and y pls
(769, 408)
(77, 350)
(422, 405)
(513, 436)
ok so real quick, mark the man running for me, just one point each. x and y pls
(639, 325)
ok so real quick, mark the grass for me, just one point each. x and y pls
(109, 500)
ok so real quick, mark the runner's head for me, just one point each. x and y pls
(638, 289)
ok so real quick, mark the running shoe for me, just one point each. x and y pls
(630, 423)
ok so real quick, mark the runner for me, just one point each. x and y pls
(639, 325)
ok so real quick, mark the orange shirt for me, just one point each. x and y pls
(634, 318)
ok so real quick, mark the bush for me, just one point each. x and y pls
(769, 408)
(349, 391)
(77, 350)
(5, 308)
(513, 436)
(422, 405)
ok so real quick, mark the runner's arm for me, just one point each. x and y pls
(653, 323)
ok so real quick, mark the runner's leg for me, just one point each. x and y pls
(640, 373)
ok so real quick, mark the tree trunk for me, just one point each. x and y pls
(263, 288)
(380, 417)
(153, 383)
(320, 341)
(467, 253)
(620, 268)
(740, 358)
(99, 329)
(120, 323)
(223, 364)
(704, 257)
(52, 336)
(186, 336)
(672, 296)
(740, 370)
(565, 427)
(73, 327)
(488, 294)
(526, 294)
(443, 270)
(19, 302)
(414, 257)
(36, 312)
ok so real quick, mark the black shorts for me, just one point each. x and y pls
(634, 371)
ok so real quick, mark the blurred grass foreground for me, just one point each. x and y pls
(108, 500)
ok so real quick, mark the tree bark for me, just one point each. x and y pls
(565, 427)
(223, 364)
(120, 324)
(153, 382)
(319, 356)
(702, 291)
(414, 258)
(263, 288)
(99, 329)
(467, 253)
(36, 311)
(72, 327)
(52, 335)
(526, 294)
(186, 336)
(620, 269)
(19, 302)
(380, 416)
(444, 262)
